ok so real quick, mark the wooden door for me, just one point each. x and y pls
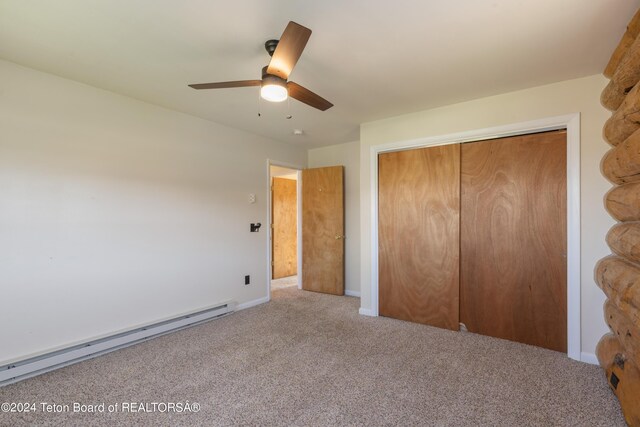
(285, 227)
(418, 235)
(323, 230)
(514, 233)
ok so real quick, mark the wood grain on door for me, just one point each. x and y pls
(418, 235)
(285, 227)
(323, 230)
(513, 216)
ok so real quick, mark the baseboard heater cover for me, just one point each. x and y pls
(31, 367)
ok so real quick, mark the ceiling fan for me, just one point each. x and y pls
(274, 86)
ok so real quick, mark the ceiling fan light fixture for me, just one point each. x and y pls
(274, 84)
(273, 89)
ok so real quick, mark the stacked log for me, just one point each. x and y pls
(624, 78)
(620, 281)
(623, 376)
(623, 202)
(633, 29)
(622, 163)
(619, 275)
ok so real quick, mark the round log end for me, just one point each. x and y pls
(624, 240)
(607, 349)
(623, 202)
(622, 164)
(612, 96)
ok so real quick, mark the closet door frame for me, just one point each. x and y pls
(570, 122)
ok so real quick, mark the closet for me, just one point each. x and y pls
(475, 233)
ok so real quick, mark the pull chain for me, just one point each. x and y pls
(259, 105)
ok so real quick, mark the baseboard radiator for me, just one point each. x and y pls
(31, 367)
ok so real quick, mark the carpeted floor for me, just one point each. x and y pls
(310, 359)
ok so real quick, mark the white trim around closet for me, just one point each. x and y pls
(570, 122)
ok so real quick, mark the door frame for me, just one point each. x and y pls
(298, 170)
(570, 122)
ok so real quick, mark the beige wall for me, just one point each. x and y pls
(580, 95)
(116, 213)
(94, 185)
(347, 155)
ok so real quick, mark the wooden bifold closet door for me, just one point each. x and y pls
(513, 269)
(476, 233)
(418, 235)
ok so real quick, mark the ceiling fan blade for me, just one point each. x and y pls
(290, 47)
(303, 94)
(223, 85)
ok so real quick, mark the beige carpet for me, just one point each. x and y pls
(310, 359)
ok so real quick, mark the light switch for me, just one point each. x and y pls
(252, 198)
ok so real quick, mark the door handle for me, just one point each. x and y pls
(338, 237)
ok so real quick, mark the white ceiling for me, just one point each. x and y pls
(372, 59)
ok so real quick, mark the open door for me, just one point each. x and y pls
(323, 230)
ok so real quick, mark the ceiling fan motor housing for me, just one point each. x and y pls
(271, 79)
(271, 45)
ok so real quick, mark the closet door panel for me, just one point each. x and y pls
(513, 246)
(418, 235)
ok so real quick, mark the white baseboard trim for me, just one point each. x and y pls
(589, 358)
(23, 369)
(252, 303)
(365, 312)
(350, 293)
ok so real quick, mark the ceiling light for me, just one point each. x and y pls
(273, 89)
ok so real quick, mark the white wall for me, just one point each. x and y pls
(580, 95)
(347, 155)
(116, 213)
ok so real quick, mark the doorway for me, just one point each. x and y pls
(284, 236)
(319, 242)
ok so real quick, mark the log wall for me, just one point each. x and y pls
(619, 275)
(622, 163)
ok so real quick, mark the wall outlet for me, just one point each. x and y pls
(247, 280)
